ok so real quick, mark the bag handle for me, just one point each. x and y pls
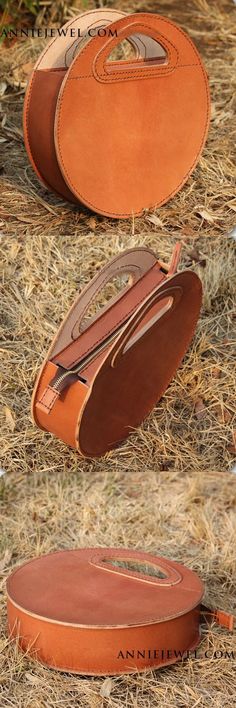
(61, 51)
(107, 559)
(145, 24)
(144, 49)
(135, 262)
(143, 46)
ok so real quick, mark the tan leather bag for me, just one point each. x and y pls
(106, 611)
(101, 378)
(43, 88)
(118, 136)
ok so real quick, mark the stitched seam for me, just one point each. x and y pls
(121, 74)
(162, 19)
(184, 179)
(127, 314)
(151, 15)
(27, 108)
(129, 75)
(44, 395)
(28, 146)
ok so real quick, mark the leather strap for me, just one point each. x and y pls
(222, 618)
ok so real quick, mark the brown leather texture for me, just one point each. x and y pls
(141, 125)
(102, 376)
(43, 88)
(104, 610)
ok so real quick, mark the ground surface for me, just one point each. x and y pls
(171, 488)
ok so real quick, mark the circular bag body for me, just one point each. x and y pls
(129, 133)
(104, 610)
(120, 387)
(43, 88)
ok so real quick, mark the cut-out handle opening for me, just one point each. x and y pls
(122, 56)
(138, 566)
(76, 33)
(158, 306)
(134, 263)
(123, 272)
(145, 568)
(105, 297)
(135, 45)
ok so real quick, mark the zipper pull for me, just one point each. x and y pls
(55, 388)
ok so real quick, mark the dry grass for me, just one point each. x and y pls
(170, 489)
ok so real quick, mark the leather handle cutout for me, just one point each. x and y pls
(137, 262)
(149, 570)
(155, 54)
(61, 51)
(130, 263)
(140, 46)
(120, 282)
(137, 325)
(106, 71)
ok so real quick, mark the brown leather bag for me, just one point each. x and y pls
(101, 378)
(127, 134)
(106, 611)
(44, 85)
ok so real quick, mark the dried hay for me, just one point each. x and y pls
(170, 489)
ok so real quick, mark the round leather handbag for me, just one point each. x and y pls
(129, 133)
(106, 611)
(102, 376)
(43, 88)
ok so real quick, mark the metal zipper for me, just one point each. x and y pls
(59, 380)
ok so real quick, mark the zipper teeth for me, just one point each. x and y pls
(86, 359)
(60, 379)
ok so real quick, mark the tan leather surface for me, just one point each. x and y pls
(127, 389)
(41, 96)
(61, 425)
(141, 126)
(152, 322)
(75, 610)
(39, 115)
(42, 92)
